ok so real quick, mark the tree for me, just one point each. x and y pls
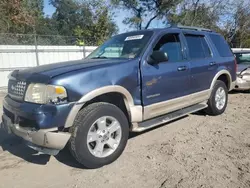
(15, 15)
(98, 29)
(68, 14)
(237, 25)
(143, 12)
(230, 18)
(200, 13)
(20, 15)
(90, 21)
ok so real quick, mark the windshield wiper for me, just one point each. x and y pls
(99, 57)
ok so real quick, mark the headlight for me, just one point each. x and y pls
(44, 94)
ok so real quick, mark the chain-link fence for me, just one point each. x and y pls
(49, 40)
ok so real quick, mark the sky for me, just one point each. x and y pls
(48, 9)
(119, 17)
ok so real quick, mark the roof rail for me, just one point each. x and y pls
(191, 28)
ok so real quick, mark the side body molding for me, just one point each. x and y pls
(134, 111)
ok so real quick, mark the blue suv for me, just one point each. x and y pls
(133, 82)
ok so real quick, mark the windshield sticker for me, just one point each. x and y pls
(135, 37)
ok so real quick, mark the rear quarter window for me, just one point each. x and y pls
(221, 45)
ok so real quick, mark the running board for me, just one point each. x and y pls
(168, 117)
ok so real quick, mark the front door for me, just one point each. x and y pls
(166, 82)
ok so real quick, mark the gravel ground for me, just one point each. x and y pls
(195, 151)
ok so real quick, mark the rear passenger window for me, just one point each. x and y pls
(221, 45)
(198, 47)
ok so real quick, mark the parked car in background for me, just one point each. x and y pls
(135, 81)
(243, 69)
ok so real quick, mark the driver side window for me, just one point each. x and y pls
(170, 43)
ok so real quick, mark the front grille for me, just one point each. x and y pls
(16, 89)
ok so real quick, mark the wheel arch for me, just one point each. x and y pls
(134, 112)
(224, 76)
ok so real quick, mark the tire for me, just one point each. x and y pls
(86, 125)
(212, 108)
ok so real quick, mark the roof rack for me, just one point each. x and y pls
(190, 27)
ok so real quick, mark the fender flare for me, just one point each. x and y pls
(134, 111)
(229, 77)
(108, 89)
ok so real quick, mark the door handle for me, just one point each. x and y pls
(182, 68)
(212, 63)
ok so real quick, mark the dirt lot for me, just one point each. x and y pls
(196, 151)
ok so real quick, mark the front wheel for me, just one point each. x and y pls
(99, 135)
(218, 100)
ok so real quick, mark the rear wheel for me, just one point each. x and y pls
(99, 135)
(218, 100)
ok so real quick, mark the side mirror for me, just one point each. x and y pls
(157, 57)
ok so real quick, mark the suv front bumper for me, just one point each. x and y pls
(40, 125)
(45, 138)
(36, 115)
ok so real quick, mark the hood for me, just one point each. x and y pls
(242, 67)
(45, 72)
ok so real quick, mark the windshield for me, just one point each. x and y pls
(243, 58)
(127, 45)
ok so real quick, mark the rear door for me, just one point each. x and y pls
(202, 64)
